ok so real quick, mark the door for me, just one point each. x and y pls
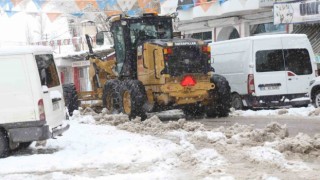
(52, 90)
(270, 74)
(298, 70)
(17, 104)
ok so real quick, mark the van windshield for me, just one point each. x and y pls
(47, 70)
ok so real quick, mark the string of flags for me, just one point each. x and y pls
(55, 8)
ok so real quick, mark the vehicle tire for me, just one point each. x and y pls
(193, 110)
(133, 98)
(4, 144)
(316, 98)
(236, 101)
(221, 97)
(70, 97)
(111, 95)
(22, 145)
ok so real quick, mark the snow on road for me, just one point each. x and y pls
(103, 146)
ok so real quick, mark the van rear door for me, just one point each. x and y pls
(269, 74)
(299, 70)
(51, 88)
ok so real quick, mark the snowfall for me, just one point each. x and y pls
(105, 146)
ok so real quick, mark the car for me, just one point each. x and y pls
(314, 92)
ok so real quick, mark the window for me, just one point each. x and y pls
(267, 28)
(269, 60)
(298, 61)
(203, 35)
(47, 70)
(119, 46)
(142, 31)
(295, 60)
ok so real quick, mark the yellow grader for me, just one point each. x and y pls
(153, 71)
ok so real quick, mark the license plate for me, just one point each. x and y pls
(55, 106)
(270, 88)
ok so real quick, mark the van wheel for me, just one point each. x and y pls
(236, 101)
(111, 95)
(220, 96)
(22, 145)
(4, 144)
(133, 98)
(193, 110)
(70, 97)
(316, 99)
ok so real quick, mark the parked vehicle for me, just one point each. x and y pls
(266, 71)
(314, 92)
(32, 106)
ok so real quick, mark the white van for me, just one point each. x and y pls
(266, 71)
(31, 97)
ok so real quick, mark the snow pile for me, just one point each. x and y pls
(104, 146)
(302, 111)
(273, 157)
(302, 143)
(246, 135)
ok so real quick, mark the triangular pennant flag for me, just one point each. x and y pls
(111, 2)
(78, 14)
(144, 3)
(39, 3)
(150, 10)
(10, 13)
(86, 3)
(126, 5)
(102, 4)
(111, 13)
(16, 2)
(53, 16)
(205, 4)
(185, 5)
(133, 12)
(3, 2)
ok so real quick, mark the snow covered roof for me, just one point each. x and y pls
(15, 50)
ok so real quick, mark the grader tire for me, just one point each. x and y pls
(194, 110)
(111, 95)
(221, 96)
(133, 98)
(70, 97)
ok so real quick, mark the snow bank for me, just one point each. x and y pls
(303, 111)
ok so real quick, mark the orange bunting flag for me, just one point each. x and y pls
(111, 13)
(16, 2)
(86, 3)
(205, 4)
(53, 16)
(144, 3)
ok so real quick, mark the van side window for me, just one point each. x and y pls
(269, 60)
(47, 70)
(298, 61)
